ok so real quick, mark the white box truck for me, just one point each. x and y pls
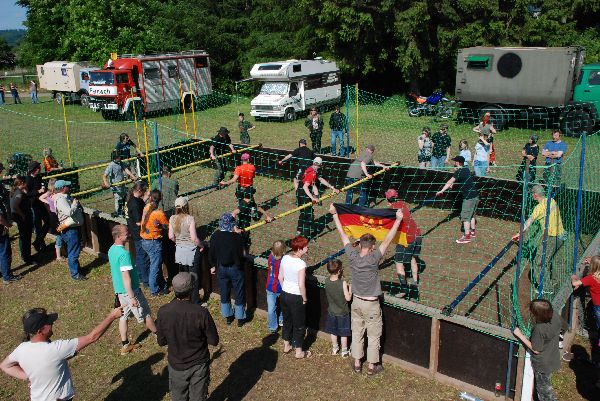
(292, 87)
(66, 79)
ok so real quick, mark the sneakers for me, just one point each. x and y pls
(240, 322)
(472, 233)
(80, 277)
(127, 348)
(11, 279)
(345, 353)
(335, 350)
(561, 338)
(229, 320)
(465, 239)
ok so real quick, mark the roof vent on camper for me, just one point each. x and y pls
(509, 65)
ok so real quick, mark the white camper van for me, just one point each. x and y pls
(66, 79)
(291, 87)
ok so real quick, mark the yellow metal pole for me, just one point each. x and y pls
(357, 137)
(183, 107)
(322, 198)
(147, 156)
(137, 131)
(193, 112)
(67, 130)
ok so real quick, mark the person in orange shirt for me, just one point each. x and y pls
(50, 163)
(154, 221)
(244, 175)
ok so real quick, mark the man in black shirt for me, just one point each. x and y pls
(462, 175)
(187, 329)
(303, 156)
(221, 144)
(246, 210)
(41, 217)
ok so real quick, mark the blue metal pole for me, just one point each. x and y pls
(545, 242)
(156, 153)
(578, 218)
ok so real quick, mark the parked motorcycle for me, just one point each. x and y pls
(433, 105)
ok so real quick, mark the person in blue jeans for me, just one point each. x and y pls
(153, 225)
(226, 256)
(273, 285)
(554, 151)
(337, 123)
(481, 160)
(70, 217)
(442, 147)
(136, 201)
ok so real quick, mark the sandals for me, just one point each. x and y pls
(355, 369)
(306, 355)
(288, 351)
(375, 370)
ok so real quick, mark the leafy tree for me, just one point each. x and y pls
(7, 57)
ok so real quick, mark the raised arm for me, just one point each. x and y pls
(392, 233)
(97, 331)
(338, 225)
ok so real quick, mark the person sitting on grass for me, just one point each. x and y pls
(543, 346)
(339, 293)
(114, 174)
(591, 280)
(273, 286)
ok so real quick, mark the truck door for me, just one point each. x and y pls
(588, 89)
(153, 85)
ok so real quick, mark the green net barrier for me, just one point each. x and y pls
(388, 123)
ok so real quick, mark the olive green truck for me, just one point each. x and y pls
(542, 87)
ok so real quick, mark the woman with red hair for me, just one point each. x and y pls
(486, 127)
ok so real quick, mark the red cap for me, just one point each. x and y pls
(245, 156)
(391, 193)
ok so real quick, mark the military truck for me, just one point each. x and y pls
(66, 80)
(546, 87)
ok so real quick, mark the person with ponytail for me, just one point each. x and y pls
(154, 221)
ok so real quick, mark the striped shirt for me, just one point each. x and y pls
(273, 284)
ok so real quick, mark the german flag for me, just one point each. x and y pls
(359, 220)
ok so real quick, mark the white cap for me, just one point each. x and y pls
(318, 161)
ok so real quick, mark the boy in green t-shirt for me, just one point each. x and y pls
(127, 287)
(245, 126)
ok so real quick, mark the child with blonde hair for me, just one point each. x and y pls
(338, 293)
(273, 286)
(591, 280)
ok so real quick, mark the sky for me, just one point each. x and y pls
(11, 15)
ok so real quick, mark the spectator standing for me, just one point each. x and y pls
(48, 198)
(188, 248)
(169, 188)
(227, 259)
(33, 92)
(482, 156)
(23, 216)
(5, 248)
(543, 346)
(187, 329)
(465, 152)
(442, 146)
(462, 176)
(338, 294)
(221, 144)
(292, 277)
(2, 95)
(126, 284)
(306, 219)
(113, 178)
(337, 123)
(42, 361)
(366, 290)
(591, 280)
(244, 175)
(136, 201)
(357, 171)
(425, 148)
(303, 156)
(41, 217)
(530, 153)
(406, 256)
(554, 151)
(49, 161)
(486, 126)
(70, 218)
(245, 127)
(154, 221)
(314, 123)
(273, 285)
(123, 148)
(14, 91)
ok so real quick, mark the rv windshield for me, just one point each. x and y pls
(274, 88)
(102, 78)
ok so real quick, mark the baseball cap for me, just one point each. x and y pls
(223, 131)
(245, 156)
(302, 141)
(459, 159)
(182, 282)
(182, 201)
(37, 318)
(391, 193)
(318, 161)
(60, 184)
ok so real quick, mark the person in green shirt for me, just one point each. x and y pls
(245, 126)
(126, 284)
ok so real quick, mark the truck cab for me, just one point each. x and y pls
(587, 88)
(110, 90)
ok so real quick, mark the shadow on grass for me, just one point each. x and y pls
(140, 383)
(587, 377)
(247, 370)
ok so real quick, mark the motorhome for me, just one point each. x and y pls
(290, 88)
(66, 80)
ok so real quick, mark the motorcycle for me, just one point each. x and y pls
(433, 105)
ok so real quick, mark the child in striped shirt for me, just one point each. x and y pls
(273, 285)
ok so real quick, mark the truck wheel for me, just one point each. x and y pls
(107, 114)
(414, 111)
(58, 98)
(84, 99)
(289, 115)
(575, 122)
(498, 115)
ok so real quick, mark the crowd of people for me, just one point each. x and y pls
(14, 92)
(157, 219)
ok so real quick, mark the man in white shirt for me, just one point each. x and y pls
(44, 362)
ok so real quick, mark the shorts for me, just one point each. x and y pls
(423, 158)
(404, 254)
(338, 325)
(140, 312)
(469, 206)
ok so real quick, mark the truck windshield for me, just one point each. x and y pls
(102, 78)
(274, 88)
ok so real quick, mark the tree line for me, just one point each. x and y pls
(387, 46)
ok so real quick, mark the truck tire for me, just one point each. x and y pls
(58, 97)
(414, 110)
(498, 115)
(289, 115)
(84, 99)
(575, 122)
(108, 114)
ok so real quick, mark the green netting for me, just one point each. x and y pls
(392, 125)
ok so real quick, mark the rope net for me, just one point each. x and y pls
(491, 279)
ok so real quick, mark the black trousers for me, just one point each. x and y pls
(294, 319)
(41, 222)
(25, 227)
(315, 138)
(307, 215)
